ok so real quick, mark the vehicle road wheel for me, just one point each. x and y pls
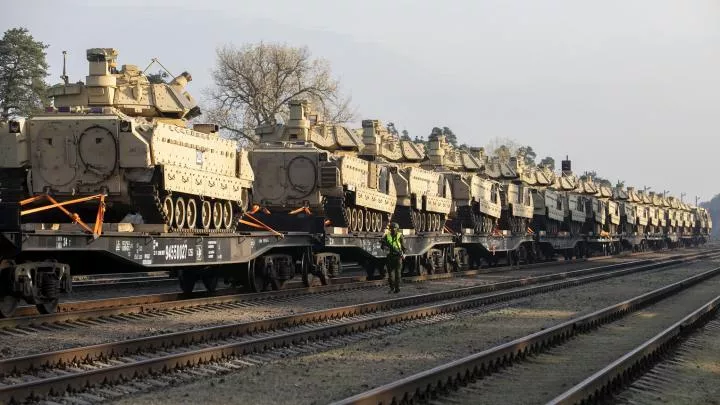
(353, 219)
(205, 214)
(227, 211)
(180, 213)
(168, 208)
(217, 215)
(192, 213)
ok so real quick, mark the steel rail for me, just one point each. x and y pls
(165, 342)
(94, 309)
(427, 384)
(90, 309)
(138, 304)
(624, 370)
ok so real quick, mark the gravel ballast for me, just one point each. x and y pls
(340, 372)
(82, 334)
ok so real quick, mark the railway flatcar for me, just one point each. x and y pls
(127, 182)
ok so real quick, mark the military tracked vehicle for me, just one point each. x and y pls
(309, 174)
(476, 199)
(516, 197)
(559, 214)
(424, 197)
(123, 138)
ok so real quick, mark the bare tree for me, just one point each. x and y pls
(254, 83)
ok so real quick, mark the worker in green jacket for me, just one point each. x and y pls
(393, 242)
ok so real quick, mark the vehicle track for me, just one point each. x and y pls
(536, 368)
(217, 344)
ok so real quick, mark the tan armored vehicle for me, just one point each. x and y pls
(120, 136)
(555, 210)
(626, 200)
(424, 197)
(476, 199)
(309, 167)
(595, 208)
(517, 200)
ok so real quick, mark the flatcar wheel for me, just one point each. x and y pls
(180, 212)
(187, 280)
(522, 256)
(217, 214)
(227, 214)
(360, 220)
(168, 208)
(210, 281)
(192, 213)
(49, 307)
(258, 276)
(8, 305)
(205, 214)
(369, 221)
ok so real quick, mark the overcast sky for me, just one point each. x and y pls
(628, 88)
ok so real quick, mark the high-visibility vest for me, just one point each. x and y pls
(394, 242)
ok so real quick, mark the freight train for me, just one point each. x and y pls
(112, 175)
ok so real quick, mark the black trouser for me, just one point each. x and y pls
(394, 267)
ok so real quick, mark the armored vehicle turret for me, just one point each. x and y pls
(120, 136)
(309, 169)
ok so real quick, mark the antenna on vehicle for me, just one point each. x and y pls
(64, 76)
(156, 60)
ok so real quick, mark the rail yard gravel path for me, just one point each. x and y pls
(334, 374)
(689, 375)
(79, 333)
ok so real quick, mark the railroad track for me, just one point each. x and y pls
(536, 368)
(77, 368)
(688, 364)
(79, 313)
(126, 308)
